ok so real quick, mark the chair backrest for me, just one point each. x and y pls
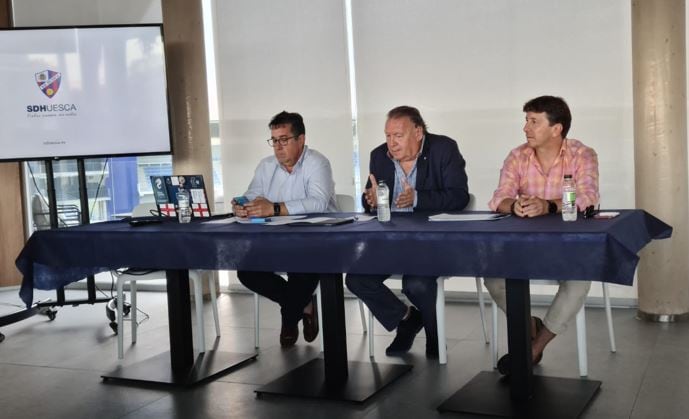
(471, 206)
(67, 214)
(144, 209)
(39, 213)
(345, 202)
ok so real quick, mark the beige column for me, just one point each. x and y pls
(188, 93)
(186, 75)
(11, 219)
(660, 153)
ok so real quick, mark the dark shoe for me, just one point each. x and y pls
(406, 332)
(505, 365)
(432, 350)
(431, 344)
(311, 323)
(288, 336)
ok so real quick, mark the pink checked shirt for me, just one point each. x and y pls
(521, 174)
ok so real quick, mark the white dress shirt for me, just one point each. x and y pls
(308, 189)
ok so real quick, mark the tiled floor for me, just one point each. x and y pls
(52, 369)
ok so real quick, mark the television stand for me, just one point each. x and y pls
(47, 307)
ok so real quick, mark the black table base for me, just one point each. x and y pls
(363, 381)
(157, 370)
(488, 393)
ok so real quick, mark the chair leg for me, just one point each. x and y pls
(440, 316)
(608, 314)
(120, 321)
(133, 312)
(581, 342)
(320, 315)
(362, 313)
(198, 303)
(370, 334)
(494, 338)
(482, 308)
(256, 320)
(214, 304)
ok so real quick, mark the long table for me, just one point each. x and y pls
(518, 249)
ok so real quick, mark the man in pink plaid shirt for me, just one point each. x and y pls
(531, 186)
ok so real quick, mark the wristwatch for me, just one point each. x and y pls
(276, 209)
(552, 207)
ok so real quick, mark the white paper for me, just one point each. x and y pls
(606, 214)
(228, 220)
(466, 217)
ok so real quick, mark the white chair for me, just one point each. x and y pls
(440, 316)
(580, 325)
(345, 203)
(131, 277)
(440, 307)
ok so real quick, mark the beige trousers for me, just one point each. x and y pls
(566, 304)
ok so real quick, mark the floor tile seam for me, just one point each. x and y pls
(20, 364)
(145, 405)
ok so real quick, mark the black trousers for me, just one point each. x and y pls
(292, 294)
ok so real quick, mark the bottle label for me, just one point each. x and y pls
(569, 197)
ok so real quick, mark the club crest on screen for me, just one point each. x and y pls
(49, 82)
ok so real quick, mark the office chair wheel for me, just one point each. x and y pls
(50, 312)
(2, 337)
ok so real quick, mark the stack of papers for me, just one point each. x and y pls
(322, 221)
(291, 220)
(467, 217)
(273, 221)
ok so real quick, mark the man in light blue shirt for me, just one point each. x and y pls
(295, 180)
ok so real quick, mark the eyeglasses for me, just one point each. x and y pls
(591, 211)
(282, 141)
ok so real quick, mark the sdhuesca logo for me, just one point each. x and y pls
(49, 82)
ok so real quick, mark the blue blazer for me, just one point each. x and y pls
(441, 179)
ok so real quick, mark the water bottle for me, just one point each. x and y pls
(569, 196)
(383, 202)
(183, 206)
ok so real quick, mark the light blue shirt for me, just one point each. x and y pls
(399, 186)
(308, 189)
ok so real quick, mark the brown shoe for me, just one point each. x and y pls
(311, 322)
(288, 336)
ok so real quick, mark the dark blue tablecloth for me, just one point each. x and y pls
(539, 248)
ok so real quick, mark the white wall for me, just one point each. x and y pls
(273, 56)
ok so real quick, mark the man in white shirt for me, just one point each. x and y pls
(295, 180)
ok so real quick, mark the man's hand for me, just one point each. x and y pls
(370, 193)
(238, 210)
(259, 207)
(406, 198)
(530, 206)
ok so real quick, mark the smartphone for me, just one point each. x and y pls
(240, 200)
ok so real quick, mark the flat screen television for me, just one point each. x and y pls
(83, 92)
